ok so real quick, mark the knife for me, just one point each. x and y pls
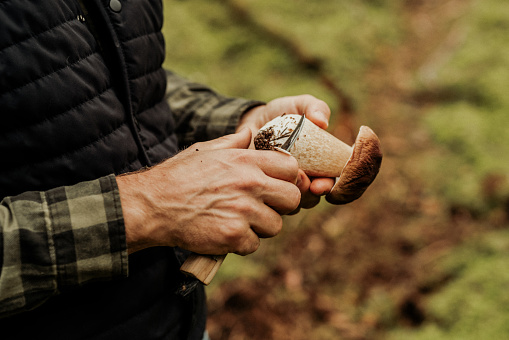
(204, 267)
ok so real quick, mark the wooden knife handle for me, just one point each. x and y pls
(202, 267)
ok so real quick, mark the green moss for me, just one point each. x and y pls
(475, 304)
(207, 44)
(467, 124)
(471, 121)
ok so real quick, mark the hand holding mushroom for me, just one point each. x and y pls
(320, 154)
(316, 111)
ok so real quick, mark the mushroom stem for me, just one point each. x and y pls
(320, 154)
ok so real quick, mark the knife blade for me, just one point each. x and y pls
(287, 145)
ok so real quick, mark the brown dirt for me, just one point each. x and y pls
(354, 271)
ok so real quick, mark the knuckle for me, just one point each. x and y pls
(255, 245)
(242, 207)
(307, 97)
(277, 227)
(249, 247)
(295, 197)
(241, 156)
(293, 163)
(251, 183)
(233, 233)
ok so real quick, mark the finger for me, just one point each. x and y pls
(319, 117)
(280, 195)
(295, 212)
(303, 182)
(249, 244)
(321, 186)
(277, 165)
(268, 223)
(264, 223)
(309, 200)
(316, 110)
(237, 236)
(239, 140)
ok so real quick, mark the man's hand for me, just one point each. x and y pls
(318, 112)
(215, 197)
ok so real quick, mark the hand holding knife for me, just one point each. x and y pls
(204, 267)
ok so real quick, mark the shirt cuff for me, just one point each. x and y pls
(54, 240)
(87, 233)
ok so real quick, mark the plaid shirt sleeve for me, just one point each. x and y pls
(201, 114)
(54, 240)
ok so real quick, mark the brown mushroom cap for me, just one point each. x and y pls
(360, 170)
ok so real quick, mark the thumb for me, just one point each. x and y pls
(239, 140)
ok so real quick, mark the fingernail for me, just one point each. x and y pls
(322, 117)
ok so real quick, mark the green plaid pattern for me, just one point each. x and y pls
(202, 114)
(51, 242)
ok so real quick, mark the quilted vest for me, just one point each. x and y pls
(81, 96)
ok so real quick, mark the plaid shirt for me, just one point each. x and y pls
(58, 239)
(62, 238)
(201, 114)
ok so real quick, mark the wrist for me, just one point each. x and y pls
(134, 212)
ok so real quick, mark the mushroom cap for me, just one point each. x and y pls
(360, 170)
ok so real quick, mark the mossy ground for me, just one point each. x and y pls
(423, 254)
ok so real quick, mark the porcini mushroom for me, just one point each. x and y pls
(320, 154)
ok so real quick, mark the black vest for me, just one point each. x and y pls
(81, 96)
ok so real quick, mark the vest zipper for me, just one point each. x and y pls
(98, 20)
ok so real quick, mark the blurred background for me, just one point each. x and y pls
(424, 254)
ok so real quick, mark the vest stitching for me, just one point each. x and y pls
(32, 36)
(158, 67)
(49, 74)
(152, 106)
(80, 149)
(67, 111)
(141, 36)
(5, 2)
(101, 137)
(159, 143)
(144, 74)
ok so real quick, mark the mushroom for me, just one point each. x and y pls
(320, 154)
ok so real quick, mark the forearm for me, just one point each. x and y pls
(54, 240)
(200, 113)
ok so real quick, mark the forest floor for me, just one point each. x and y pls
(359, 270)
